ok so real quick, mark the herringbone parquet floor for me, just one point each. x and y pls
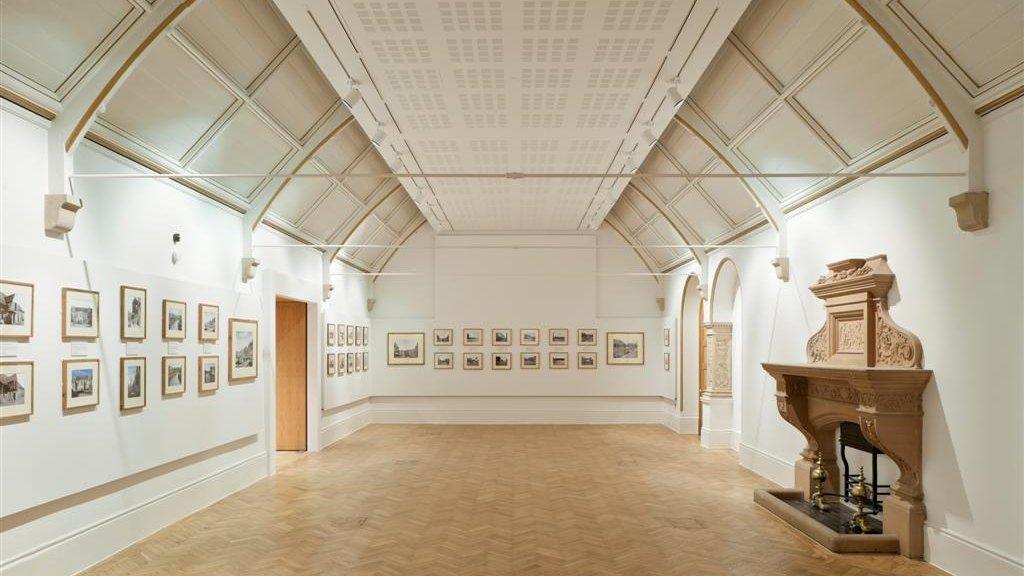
(494, 501)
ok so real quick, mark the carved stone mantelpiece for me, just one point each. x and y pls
(861, 368)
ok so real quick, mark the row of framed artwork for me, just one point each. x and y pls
(341, 363)
(347, 335)
(503, 360)
(527, 337)
(623, 348)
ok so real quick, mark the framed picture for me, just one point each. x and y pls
(558, 360)
(359, 362)
(133, 313)
(17, 309)
(366, 361)
(625, 348)
(173, 380)
(472, 361)
(405, 348)
(501, 336)
(366, 335)
(350, 335)
(443, 360)
(174, 320)
(558, 336)
(350, 363)
(529, 337)
(586, 360)
(586, 337)
(17, 389)
(667, 337)
(81, 309)
(81, 383)
(209, 323)
(360, 335)
(243, 349)
(332, 364)
(667, 360)
(443, 337)
(332, 334)
(340, 340)
(133, 382)
(341, 363)
(529, 360)
(501, 360)
(472, 337)
(209, 373)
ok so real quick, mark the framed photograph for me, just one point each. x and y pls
(350, 363)
(133, 313)
(586, 360)
(359, 362)
(332, 364)
(501, 360)
(625, 348)
(243, 349)
(558, 336)
(133, 382)
(350, 335)
(340, 340)
(366, 361)
(174, 319)
(529, 360)
(472, 337)
(209, 373)
(332, 334)
(529, 337)
(667, 360)
(81, 309)
(558, 360)
(361, 336)
(341, 363)
(405, 348)
(17, 389)
(173, 379)
(667, 337)
(366, 335)
(443, 337)
(81, 383)
(586, 337)
(17, 309)
(443, 360)
(472, 361)
(501, 337)
(209, 323)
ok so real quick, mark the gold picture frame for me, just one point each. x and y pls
(171, 366)
(128, 400)
(12, 372)
(173, 327)
(404, 349)
(624, 349)
(558, 336)
(12, 310)
(134, 321)
(203, 362)
(72, 315)
(203, 323)
(558, 360)
(472, 336)
(73, 394)
(243, 349)
(529, 336)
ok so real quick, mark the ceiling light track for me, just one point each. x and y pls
(514, 175)
(514, 246)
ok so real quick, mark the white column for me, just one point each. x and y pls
(716, 400)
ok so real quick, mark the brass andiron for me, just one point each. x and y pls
(819, 476)
(860, 494)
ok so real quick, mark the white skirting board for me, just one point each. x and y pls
(766, 465)
(959, 555)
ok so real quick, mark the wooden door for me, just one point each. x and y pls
(702, 383)
(291, 375)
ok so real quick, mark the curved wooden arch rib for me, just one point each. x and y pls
(343, 238)
(615, 225)
(714, 283)
(398, 246)
(702, 256)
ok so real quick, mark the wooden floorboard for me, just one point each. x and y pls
(498, 500)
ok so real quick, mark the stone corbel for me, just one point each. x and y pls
(60, 211)
(249, 262)
(971, 210)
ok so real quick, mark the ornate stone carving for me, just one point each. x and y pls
(894, 346)
(719, 358)
(817, 346)
(850, 336)
(837, 275)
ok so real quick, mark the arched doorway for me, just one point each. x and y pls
(691, 351)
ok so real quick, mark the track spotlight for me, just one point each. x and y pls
(648, 134)
(353, 96)
(674, 97)
(379, 136)
(396, 164)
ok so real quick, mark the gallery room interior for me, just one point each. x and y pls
(512, 287)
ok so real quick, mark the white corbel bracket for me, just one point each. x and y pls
(59, 212)
(781, 266)
(328, 290)
(249, 266)
(370, 303)
(971, 210)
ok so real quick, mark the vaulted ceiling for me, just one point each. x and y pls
(494, 86)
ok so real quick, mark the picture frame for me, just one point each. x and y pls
(209, 322)
(175, 319)
(208, 376)
(350, 335)
(443, 360)
(17, 309)
(529, 337)
(472, 336)
(501, 336)
(529, 360)
(358, 339)
(667, 361)
(17, 398)
(586, 360)
(332, 364)
(80, 311)
(173, 375)
(340, 336)
(243, 349)
(80, 383)
(443, 337)
(349, 362)
(332, 334)
(472, 360)
(366, 361)
(359, 362)
(558, 336)
(133, 382)
(405, 349)
(586, 337)
(366, 335)
(133, 314)
(558, 360)
(624, 348)
(341, 363)
(501, 360)
(666, 337)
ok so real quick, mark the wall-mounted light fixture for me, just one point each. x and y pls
(674, 97)
(175, 240)
(648, 135)
(353, 96)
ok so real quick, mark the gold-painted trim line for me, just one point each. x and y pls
(21, 101)
(1000, 101)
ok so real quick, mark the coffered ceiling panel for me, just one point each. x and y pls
(695, 210)
(296, 94)
(732, 93)
(730, 195)
(685, 148)
(371, 163)
(299, 194)
(323, 218)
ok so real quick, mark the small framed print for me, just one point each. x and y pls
(173, 379)
(209, 323)
(133, 313)
(472, 361)
(209, 373)
(350, 362)
(340, 341)
(350, 335)
(667, 360)
(359, 362)
(17, 389)
(443, 360)
(667, 337)
(81, 310)
(17, 309)
(133, 382)
(558, 360)
(625, 348)
(366, 335)
(341, 363)
(366, 361)
(558, 337)
(529, 360)
(501, 336)
(501, 361)
(586, 337)
(362, 335)
(332, 334)
(529, 337)
(405, 348)
(332, 364)
(243, 349)
(81, 383)
(472, 337)
(174, 320)
(443, 337)
(586, 360)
